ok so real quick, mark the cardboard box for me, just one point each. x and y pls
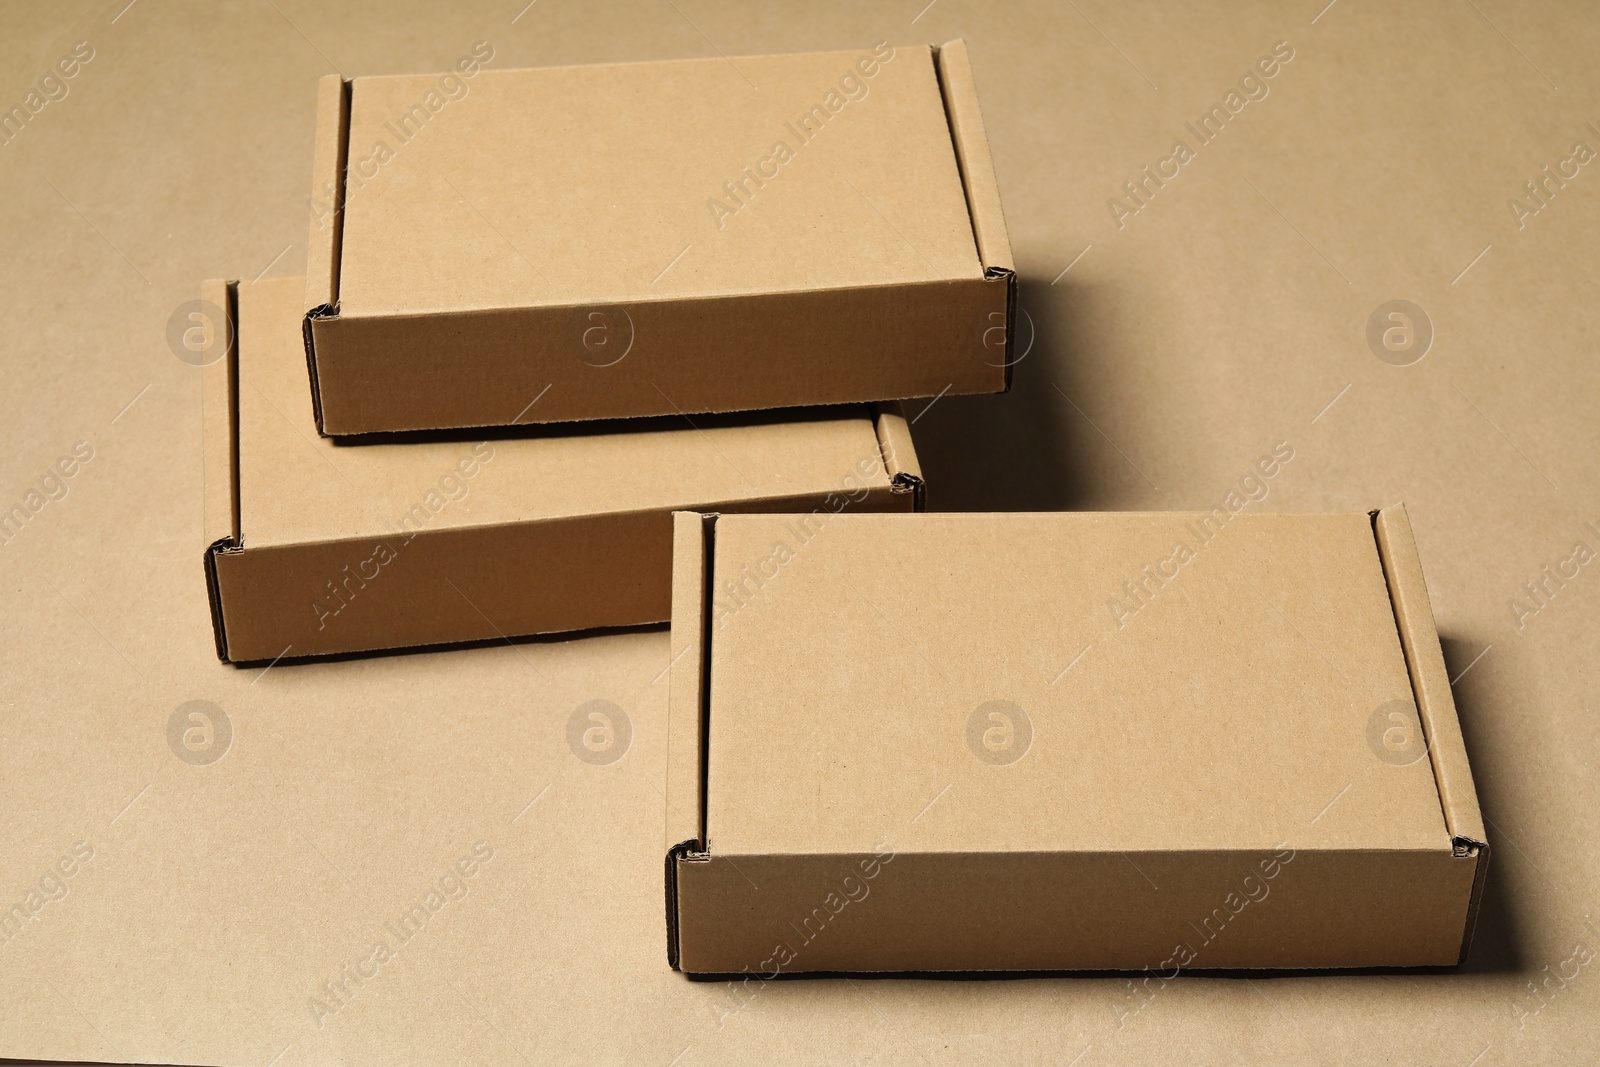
(318, 547)
(653, 238)
(1159, 742)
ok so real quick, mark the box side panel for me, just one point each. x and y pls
(1430, 679)
(691, 533)
(327, 192)
(983, 199)
(446, 586)
(686, 686)
(324, 247)
(659, 358)
(1430, 682)
(219, 412)
(219, 445)
(900, 453)
(1169, 912)
(972, 153)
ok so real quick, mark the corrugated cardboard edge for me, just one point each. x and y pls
(978, 179)
(687, 686)
(1430, 684)
(325, 244)
(899, 454)
(219, 420)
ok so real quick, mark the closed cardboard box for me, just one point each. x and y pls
(1149, 742)
(653, 239)
(318, 547)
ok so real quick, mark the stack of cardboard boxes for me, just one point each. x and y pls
(562, 250)
(542, 317)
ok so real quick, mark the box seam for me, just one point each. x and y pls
(1386, 566)
(232, 542)
(991, 272)
(1461, 842)
(707, 584)
(695, 850)
(214, 596)
(233, 413)
(330, 309)
(941, 84)
(1461, 846)
(674, 854)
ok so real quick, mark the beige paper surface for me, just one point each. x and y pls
(1228, 313)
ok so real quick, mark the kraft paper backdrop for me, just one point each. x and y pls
(220, 884)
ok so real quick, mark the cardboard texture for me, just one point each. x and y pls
(1177, 350)
(318, 548)
(1141, 742)
(653, 238)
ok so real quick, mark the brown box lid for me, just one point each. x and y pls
(653, 238)
(319, 547)
(1065, 741)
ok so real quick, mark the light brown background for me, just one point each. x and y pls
(1224, 317)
